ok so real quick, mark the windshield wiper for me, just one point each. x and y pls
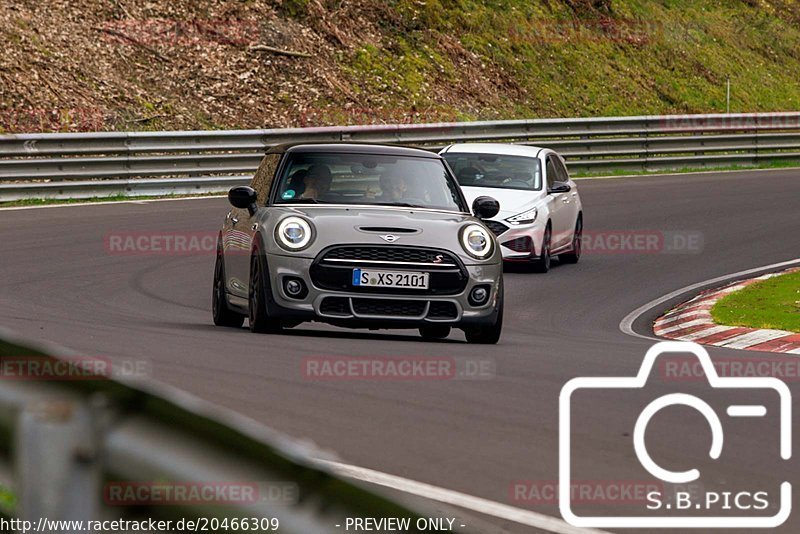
(399, 204)
(303, 201)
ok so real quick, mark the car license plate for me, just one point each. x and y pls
(402, 279)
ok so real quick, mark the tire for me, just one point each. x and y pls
(574, 255)
(487, 335)
(542, 264)
(260, 291)
(433, 332)
(222, 314)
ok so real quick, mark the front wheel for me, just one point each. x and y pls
(542, 264)
(487, 335)
(222, 314)
(575, 254)
(260, 291)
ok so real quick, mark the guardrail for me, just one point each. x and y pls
(96, 164)
(78, 446)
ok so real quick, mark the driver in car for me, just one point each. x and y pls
(317, 182)
(393, 187)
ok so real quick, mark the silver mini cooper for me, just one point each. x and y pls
(362, 236)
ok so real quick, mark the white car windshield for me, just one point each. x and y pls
(337, 178)
(496, 170)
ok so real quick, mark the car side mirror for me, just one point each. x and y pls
(243, 197)
(485, 207)
(559, 188)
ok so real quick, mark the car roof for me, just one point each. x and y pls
(505, 149)
(353, 148)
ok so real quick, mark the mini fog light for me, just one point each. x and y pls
(479, 295)
(294, 287)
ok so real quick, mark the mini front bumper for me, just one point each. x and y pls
(378, 310)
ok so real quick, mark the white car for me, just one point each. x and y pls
(540, 216)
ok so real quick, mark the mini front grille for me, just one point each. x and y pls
(496, 227)
(390, 254)
(442, 310)
(520, 244)
(385, 307)
(333, 268)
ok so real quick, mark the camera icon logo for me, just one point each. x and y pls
(677, 517)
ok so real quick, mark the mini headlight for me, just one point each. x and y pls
(293, 233)
(526, 217)
(477, 241)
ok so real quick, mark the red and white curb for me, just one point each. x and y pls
(691, 321)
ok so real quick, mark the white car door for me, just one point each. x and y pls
(557, 203)
(569, 200)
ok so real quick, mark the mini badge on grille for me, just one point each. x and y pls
(389, 238)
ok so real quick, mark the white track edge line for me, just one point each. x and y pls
(462, 500)
(626, 324)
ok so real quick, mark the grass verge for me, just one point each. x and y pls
(771, 303)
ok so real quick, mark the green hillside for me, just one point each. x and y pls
(178, 64)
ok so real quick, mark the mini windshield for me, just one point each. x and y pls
(496, 170)
(336, 178)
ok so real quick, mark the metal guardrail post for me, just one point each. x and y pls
(57, 461)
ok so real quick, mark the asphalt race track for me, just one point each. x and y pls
(60, 284)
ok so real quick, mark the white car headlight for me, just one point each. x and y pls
(294, 233)
(526, 217)
(477, 241)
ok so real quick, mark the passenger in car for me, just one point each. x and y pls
(393, 187)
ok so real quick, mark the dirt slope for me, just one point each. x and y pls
(83, 65)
